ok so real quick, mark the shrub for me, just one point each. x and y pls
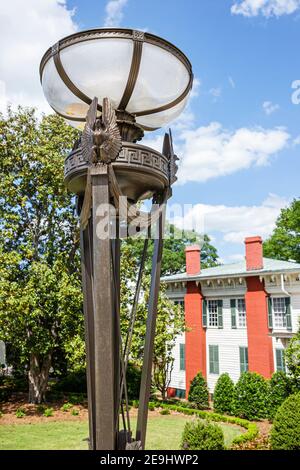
(48, 412)
(1, 414)
(135, 403)
(75, 412)
(251, 396)
(280, 389)
(133, 380)
(40, 409)
(5, 394)
(199, 435)
(165, 411)
(72, 383)
(77, 399)
(151, 406)
(292, 361)
(224, 394)
(66, 407)
(20, 413)
(285, 433)
(199, 392)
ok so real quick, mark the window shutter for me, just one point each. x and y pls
(233, 313)
(204, 313)
(211, 359)
(182, 356)
(220, 313)
(217, 368)
(270, 313)
(280, 365)
(288, 313)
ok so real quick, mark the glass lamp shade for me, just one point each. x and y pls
(139, 72)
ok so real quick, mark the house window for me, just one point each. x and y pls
(213, 313)
(279, 312)
(213, 359)
(280, 363)
(179, 302)
(243, 359)
(241, 308)
(182, 356)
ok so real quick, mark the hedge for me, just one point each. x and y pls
(198, 435)
(224, 394)
(285, 433)
(251, 396)
(198, 393)
(252, 429)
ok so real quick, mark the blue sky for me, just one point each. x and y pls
(239, 138)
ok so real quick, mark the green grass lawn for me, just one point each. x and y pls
(164, 433)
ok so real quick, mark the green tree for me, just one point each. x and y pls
(280, 388)
(224, 394)
(292, 360)
(170, 324)
(175, 242)
(198, 393)
(40, 293)
(285, 433)
(284, 243)
(251, 396)
(199, 435)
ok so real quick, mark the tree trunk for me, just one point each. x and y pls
(38, 377)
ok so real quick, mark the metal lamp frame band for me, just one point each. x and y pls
(138, 37)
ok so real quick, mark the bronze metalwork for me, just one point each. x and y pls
(107, 168)
(97, 180)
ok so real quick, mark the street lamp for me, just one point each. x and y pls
(114, 84)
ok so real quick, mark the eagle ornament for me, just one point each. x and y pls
(100, 145)
(101, 139)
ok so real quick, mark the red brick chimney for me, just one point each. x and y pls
(254, 253)
(192, 257)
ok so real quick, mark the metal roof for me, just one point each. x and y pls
(270, 266)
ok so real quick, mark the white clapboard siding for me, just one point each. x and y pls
(178, 376)
(295, 309)
(229, 341)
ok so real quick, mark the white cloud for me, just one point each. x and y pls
(215, 92)
(269, 107)
(234, 222)
(296, 141)
(114, 12)
(231, 82)
(266, 8)
(195, 89)
(27, 29)
(212, 151)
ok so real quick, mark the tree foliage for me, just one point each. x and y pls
(285, 433)
(251, 396)
(224, 394)
(292, 360)
(175, 242)
(198, 392)
(41, 317)
(284, 243)
(199, 435)
(280, 388)
(40, 294)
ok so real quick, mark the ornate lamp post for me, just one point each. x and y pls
(115, 84)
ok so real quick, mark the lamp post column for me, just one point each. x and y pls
(104, 325)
